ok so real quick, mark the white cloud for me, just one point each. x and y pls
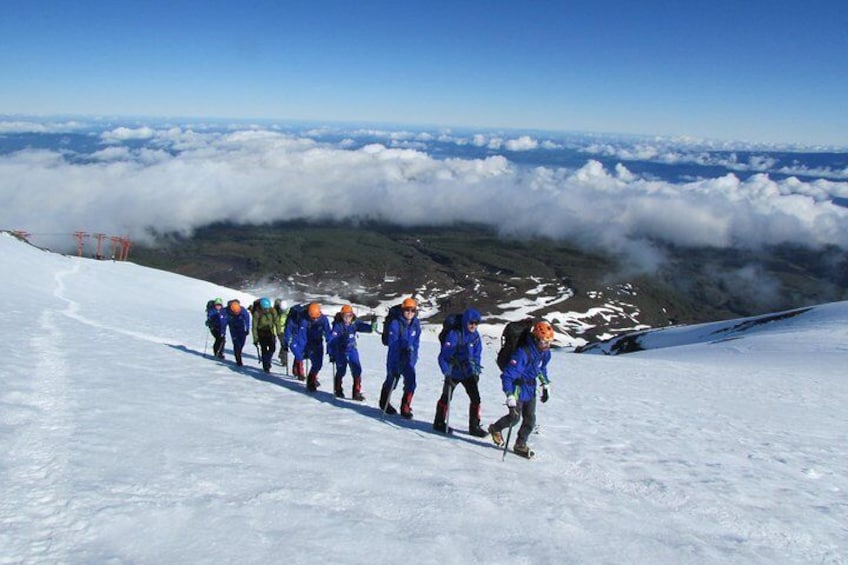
(262, 176)
(27, 126)
(125, 133)
(112, 154)
(523, 143)
(667, 152)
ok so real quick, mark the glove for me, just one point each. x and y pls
(255, 342)
(374, 325)
(545, 394)
(510, 401)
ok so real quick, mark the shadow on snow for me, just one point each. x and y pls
(291, 383)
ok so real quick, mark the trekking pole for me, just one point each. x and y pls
(205, 343)
(286, 358)
(506, 443)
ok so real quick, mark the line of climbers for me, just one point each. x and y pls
(523, 357)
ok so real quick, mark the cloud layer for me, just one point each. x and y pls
(178, 179)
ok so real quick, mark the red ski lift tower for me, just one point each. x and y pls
(99, 237)
(125, 247)
(80, 235)
(116, 247)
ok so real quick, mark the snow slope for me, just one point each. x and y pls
(121, 442)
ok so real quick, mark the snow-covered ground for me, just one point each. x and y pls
(120, 441)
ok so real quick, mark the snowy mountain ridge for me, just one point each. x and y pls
(718, 332)
(122, 441)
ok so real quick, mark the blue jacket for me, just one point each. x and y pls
(460, 354)
(216, 320)
(239, 324)
(525, 366)
(310, 335)
(343, 337)
(403, 343)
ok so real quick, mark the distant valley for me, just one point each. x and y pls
(589, 295)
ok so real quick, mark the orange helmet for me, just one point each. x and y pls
(409, 303)
(235, 307)
(347, 309)
(543, 331)
(314, 310)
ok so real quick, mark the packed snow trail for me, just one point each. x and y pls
(39, 453)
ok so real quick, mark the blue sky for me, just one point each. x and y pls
(754, 71)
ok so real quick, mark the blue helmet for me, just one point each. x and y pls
(265, 303)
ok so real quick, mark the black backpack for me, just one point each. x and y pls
(395, 313)
(514, 335)
(210, 305)
(452, 322)
(255, 308)
(296, 314)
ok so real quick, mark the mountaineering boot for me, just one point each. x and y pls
(406, 406)
(297, 370)
(523, 450)
(238, 360)
(337, 385)
(474, 421)
(497, 438)
(385, 405)
(439, 423)
(312, 383)
(357, 389)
